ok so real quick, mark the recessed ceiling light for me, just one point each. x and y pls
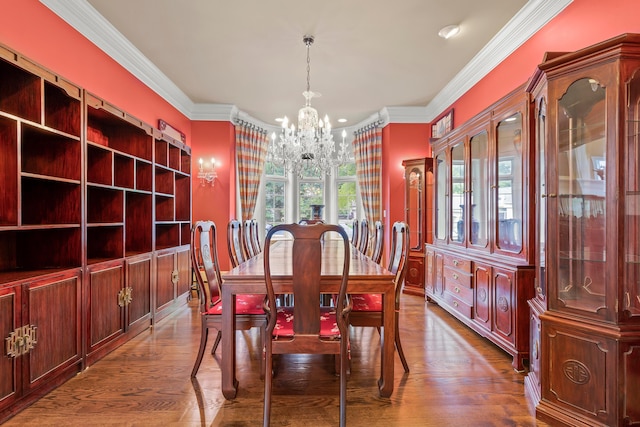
(279, 119)
(342, 120)
(449, 31)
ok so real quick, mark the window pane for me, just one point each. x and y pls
(346, 204)
(347, 169)
(311, 193)
(274, 203)
(274, 170)
(309, 171)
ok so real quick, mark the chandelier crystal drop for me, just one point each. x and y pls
(311, 147)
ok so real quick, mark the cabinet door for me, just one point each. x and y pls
(509, 212)
(503, 307)
(139, 281)
(54, 308)
(183, 260)
(106, 316)
(479, 174)
(415, 273)
(429, 286)
(440, 232)
(482, 295)
(438, 281)
(581, 208)
(458, 227)
(9, 321)
(165, 288)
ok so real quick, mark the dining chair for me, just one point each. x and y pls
(363, 236)
(234, 243)
(255, 236)
(378, 242)
(306, 327)
(249, 308)
(367, 308)
(247, 239)
(355, 225)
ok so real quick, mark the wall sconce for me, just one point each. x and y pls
(207, 172)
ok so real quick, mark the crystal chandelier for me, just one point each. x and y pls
(310, 147)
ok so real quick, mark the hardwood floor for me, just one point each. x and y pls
(457, 379)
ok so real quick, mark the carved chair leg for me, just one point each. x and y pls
(399, 346)
(203, 344)
(217, 342)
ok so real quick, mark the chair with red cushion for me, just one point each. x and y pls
(247, 239)
(255, 236)
(378, 242)
(363, 236)
(307, 327)
(204, 260)
(234, 243)
(367, 308)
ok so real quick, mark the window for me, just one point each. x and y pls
(310, 192)
(275, 200)
(347, 196)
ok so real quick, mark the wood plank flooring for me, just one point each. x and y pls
(457, 379)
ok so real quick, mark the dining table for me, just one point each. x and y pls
(365, 276)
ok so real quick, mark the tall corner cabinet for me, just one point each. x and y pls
(480, 266)
(91, 197)
(587, 303)
(418, 178)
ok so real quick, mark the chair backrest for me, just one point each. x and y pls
(255, 236)
(247, 239)
(363, 237)
(354, 232)
(398, 255)
(204, 258)
(378, 242)
(306, 264)
(234, 243)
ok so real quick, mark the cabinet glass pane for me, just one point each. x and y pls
(509, 168)
(479, 179)
(414, 206)
(441, 196)
(457, 193)
(541, 133)
(631, 303)
(581, 196)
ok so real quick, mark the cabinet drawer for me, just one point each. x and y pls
(458, 263)
(464, 293)
(457, 277)
(458, 305)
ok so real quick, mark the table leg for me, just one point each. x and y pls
(385, 383)
(229, 382)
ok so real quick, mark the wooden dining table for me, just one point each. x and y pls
(365, 276)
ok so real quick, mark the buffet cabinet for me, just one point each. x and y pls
(480, 265)
(90, 196)
(587, 302)
(418, 177)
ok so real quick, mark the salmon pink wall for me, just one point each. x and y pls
(217, 203)
(32, 30)
(581, 24)
(400, 141)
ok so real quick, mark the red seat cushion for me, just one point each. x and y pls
(366, 302)
(284, 323)
(245, 304)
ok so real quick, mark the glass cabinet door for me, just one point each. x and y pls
(415, 210)
(479, 147)
(458, 193)
(509, 184)
(441, 196)
(631, 299)
(541, 199)
(581, 199)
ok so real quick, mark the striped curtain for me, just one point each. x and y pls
(368, 156)
(251, 150)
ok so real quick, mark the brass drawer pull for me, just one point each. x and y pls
(455, 262)
(455, 276)
(455, 303)
(457, 289)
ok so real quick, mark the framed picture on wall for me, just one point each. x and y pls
(443, 125)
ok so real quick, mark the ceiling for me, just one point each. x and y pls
(247, 57)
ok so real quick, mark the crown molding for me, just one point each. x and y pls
(533, 16)
(86, 20)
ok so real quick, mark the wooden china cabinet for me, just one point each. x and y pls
(588, 292)
(91, 199)
(480, 266)
(418, 178)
